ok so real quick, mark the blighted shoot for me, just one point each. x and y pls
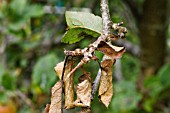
(85, 90)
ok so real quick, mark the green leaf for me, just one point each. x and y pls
(153, 84)
(148, 105)
(43, 74)
(81, 23)
(17, 25)
(76, 34)
(164, 75)
(84, 19)
(20, 13)
(18, 6)
(34, 11)
(2, 71)
(3, 98)
(8, 81)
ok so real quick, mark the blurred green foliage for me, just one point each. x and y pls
(15, 16)
(33, 51)
(126, 98)
(43, 76)
(3, 98)
(8, 81)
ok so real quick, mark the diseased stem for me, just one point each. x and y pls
(74, 69)
(102, 44)
(96, 84)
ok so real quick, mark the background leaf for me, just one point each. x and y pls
(43, 78)
(21, 4)
(8, 81)
(153, 83)
(164, 75)
(3, 98)
(126, 97)
(34, 11)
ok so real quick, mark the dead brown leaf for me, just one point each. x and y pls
(68, 86)
(85, 110)
(84, 89)
(105, 88)
(56, 98)
(113, 52)
(68, 82)
(59, 69)
(47, 108)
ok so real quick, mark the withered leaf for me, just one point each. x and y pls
(113, 52)
(59, 69)
(85, 110)
(105, 88)
(68, 82)
(113, 37)
(56, 98)
(47, 108)
(68, 86)
(84, 89)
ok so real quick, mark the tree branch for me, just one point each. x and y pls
(106, 35)
(106, 21)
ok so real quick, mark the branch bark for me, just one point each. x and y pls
(106, 35)
(106, 21)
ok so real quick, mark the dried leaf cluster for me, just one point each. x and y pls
(65, 71)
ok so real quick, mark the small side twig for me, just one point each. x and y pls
(65, 62)
(96, 84)
(62, 82)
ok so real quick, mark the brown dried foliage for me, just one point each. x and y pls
(113, 52)
(85, 110)
(68, 82)
(84, 88)
(105, 88)
(56, 99)
(65, 70)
